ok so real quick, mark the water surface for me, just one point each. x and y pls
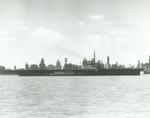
(75, 97)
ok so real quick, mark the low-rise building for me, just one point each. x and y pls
(71, 66)
(51, 67)
(2, 68)
(34, 67)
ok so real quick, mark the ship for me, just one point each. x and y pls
(99, 72)
(75, 72)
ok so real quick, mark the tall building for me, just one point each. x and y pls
(149, 61)
(15, 67)
(42, 65)
(66, 61)
(94, 57)
(139, 64)
(88, 64)
(27, 66)
(108, 62)
(100, 64)
(58, 65)
(65, 65)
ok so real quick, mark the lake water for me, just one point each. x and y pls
(75, 97)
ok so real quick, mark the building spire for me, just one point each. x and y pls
(94, 56)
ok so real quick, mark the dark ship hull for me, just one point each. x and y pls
(100, 72)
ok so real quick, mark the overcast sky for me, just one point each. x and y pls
(55, 29)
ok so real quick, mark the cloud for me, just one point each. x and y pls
(120, 40)
(12, 32)
(96, 17)
(12, 28)
(44, 37)
(45, 34)
(109, 23)
(120, 32)
(93, 37)
(81, 23)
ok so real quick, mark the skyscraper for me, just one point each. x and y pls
(66, 60)
(27, 67)
(42, 65)
(108, 62)
(58, 65)
(139, 64)
(15, 67)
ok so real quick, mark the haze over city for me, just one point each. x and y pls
(55, 29)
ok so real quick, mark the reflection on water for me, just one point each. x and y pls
(75, 97)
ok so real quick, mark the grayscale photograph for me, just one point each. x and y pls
(74, 58)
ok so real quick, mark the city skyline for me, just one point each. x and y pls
(93, 61)
(32, 29)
